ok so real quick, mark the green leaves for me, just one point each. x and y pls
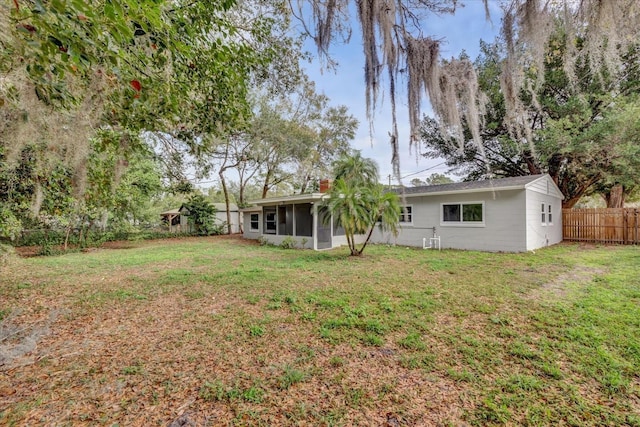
(201, 214)
(72, 43)
(178, 71)
(358, 202)
(582, 135)
(10, 226)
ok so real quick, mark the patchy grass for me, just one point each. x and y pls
(220, 331)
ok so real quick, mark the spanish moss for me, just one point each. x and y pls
(393, 37)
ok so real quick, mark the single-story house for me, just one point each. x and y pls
(509, 214)
(296, 217)
(178, 219)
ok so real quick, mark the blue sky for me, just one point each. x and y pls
(345, 85)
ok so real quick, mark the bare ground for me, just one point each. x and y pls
(145, 362)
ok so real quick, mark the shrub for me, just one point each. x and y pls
(7, 253)
(10, 226)
(288, 243)
(202, 215)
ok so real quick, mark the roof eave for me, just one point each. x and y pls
(470, 190)
(310, 197)
(546, 177)
(251, 209)
(530, 183)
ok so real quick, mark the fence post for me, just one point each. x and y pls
(625, 226)
(635, 216)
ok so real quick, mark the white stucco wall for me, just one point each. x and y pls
(221, 218)
(247, 233)
(538, 234)
(338, 241)
(504, 228)
(277, 240)
(512, 220)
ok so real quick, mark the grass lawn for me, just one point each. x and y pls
(219, 331)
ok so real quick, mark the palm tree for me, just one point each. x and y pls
(355, 168)
(357, 202)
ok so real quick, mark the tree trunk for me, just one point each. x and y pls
(223, 182)
(265, 187)
(351, 242)
(241, 202)
(305, 184)
(532, 165)
(66, 237)
(573, 195)
(225, 190)
(104, 218)
(38, 198)
(615, 196)
(570, 203)
(367, 240)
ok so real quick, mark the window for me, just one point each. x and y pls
(463, 213)
(406, 214)
(451, 213)
(472, 212)
(544, 215)
(549, 215)
(270, 221)
(255, 222)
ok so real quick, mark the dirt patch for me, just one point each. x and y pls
(17, 339)
(558, 288)
(635, 395)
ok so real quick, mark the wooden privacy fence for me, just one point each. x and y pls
(616, 225)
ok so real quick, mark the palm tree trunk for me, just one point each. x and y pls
(351, 243)
(367, 240)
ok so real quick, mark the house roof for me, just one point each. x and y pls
(222, 207)
(171, 212)
(499, 184)
(251, 209)
(513, 183)
(298, 198)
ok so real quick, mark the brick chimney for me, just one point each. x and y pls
(325, 185)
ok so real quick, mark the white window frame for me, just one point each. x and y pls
(462, 223)
(543, 215)
(267, 221)
(403, 213)
(251, 221)
(549, 215)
